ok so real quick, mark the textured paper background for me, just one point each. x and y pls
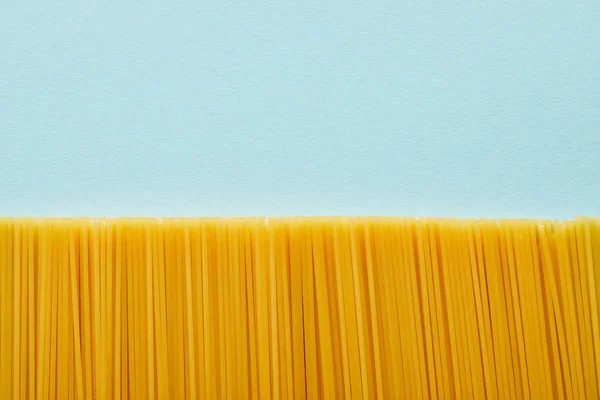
(183, 108)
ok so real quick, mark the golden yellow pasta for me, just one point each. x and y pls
(299, 308)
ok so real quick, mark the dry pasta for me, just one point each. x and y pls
(301, 308)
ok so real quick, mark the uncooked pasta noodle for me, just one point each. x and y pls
(299, 308)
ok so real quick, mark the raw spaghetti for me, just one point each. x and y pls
(299, 308)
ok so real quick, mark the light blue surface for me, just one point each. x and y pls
(182, 108)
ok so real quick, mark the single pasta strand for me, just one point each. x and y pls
(42, 307)
(283, 322)
(221, 286)
(272, 316)
(262, 291)
(179, 328)
(208, 361)
(110, 297)
(96, 311)
(75, 310)
(150, 312)
(62, 370)
(5, 310)
(308, 303)
(163, 366)
(31, 312)
(17, 309)
(196, 248)
(125, 265)
(141, 311)
(53, 315)
(132, 342)
(238, 310)
(102, 376)
(119, 254)
(253, 380)
(296, 273)
(231, 316)
(286, 313)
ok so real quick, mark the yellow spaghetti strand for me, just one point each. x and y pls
(272, 316)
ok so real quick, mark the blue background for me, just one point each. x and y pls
(182, 108)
